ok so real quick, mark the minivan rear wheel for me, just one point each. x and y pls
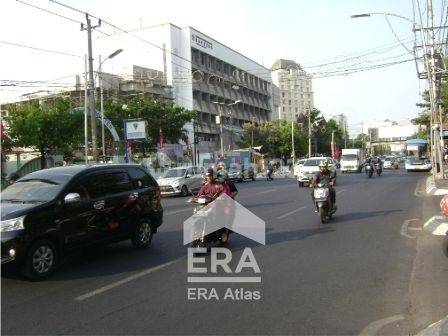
(143, 234)
(41, 260)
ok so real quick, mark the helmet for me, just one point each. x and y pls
(221, 176)
(210, 172)
(323, 164)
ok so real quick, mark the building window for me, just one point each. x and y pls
(284, 109)
(290, 102)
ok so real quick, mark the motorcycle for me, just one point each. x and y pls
(269, 176)
(322, 202)
(378, 169)
(201, 239)
(369, 170)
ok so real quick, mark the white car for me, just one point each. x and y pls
(310, 167)
(298, 165)
(181, 180)
(417, 164)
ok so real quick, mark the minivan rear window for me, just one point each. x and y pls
(31, 191)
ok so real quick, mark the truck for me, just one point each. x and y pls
(352, 160)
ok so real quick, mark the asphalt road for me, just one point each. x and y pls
(355, 275)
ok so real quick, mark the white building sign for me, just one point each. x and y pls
(135, 129)
(201, 42)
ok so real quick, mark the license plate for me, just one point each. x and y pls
(320, 193)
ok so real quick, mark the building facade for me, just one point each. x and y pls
(206, 76)
(388, 136)
(296, 90)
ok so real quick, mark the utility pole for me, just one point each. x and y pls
(293, 154)
(91, 90)
(100, 82)
(309, 133)
(86, 102)
(332, 145)
(437, 117)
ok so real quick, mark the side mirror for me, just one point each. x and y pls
(188, 175)
(72, 198)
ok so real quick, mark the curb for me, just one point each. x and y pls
(431, 188)
(436, 329)
(436, 225)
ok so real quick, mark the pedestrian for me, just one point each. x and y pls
(445, 154)
(13, 177)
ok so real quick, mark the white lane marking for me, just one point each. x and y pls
(374, 327)
(404, 228)
(169, 213)
(418, 191)
(340, 191)
(123, 281)
(291, 212)
(266, 191)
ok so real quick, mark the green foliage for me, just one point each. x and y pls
(361, 140)
(275, 136)
(48, 125)
(166, 115)
(421, 134)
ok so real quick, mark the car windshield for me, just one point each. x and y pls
(349, 157)
(310, 163)
(175, 173)
(416, 160)
(31, 191)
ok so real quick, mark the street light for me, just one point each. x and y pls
(361, 15)
(436, 112)
(220, 121)
(115, 53)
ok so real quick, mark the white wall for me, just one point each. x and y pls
(397, 131)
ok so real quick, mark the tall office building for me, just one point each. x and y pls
(296, 91)
(205, 75)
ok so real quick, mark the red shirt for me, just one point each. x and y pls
(212, 190)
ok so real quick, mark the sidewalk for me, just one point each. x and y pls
(437, 187)
(428, 287)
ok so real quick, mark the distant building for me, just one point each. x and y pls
(296, 92)
(206, 76)
(342, 122)
(387, 136)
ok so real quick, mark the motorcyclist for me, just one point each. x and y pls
(270, 169)
(222, 178)
(211, 188)
(326, 176)
(377, 160)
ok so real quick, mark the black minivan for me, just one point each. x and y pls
(51, 212)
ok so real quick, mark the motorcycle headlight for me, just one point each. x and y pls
(12, 224)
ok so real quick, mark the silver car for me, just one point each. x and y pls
(181, 181)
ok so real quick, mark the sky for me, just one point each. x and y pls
(308, 32)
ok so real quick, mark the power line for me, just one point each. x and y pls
(40, 49)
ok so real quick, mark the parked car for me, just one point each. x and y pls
(49, 213)
(417, 164)
(241, 173)
(310, 168)
(181, 181)
(390, 163)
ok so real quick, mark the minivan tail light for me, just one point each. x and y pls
(158, 195)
